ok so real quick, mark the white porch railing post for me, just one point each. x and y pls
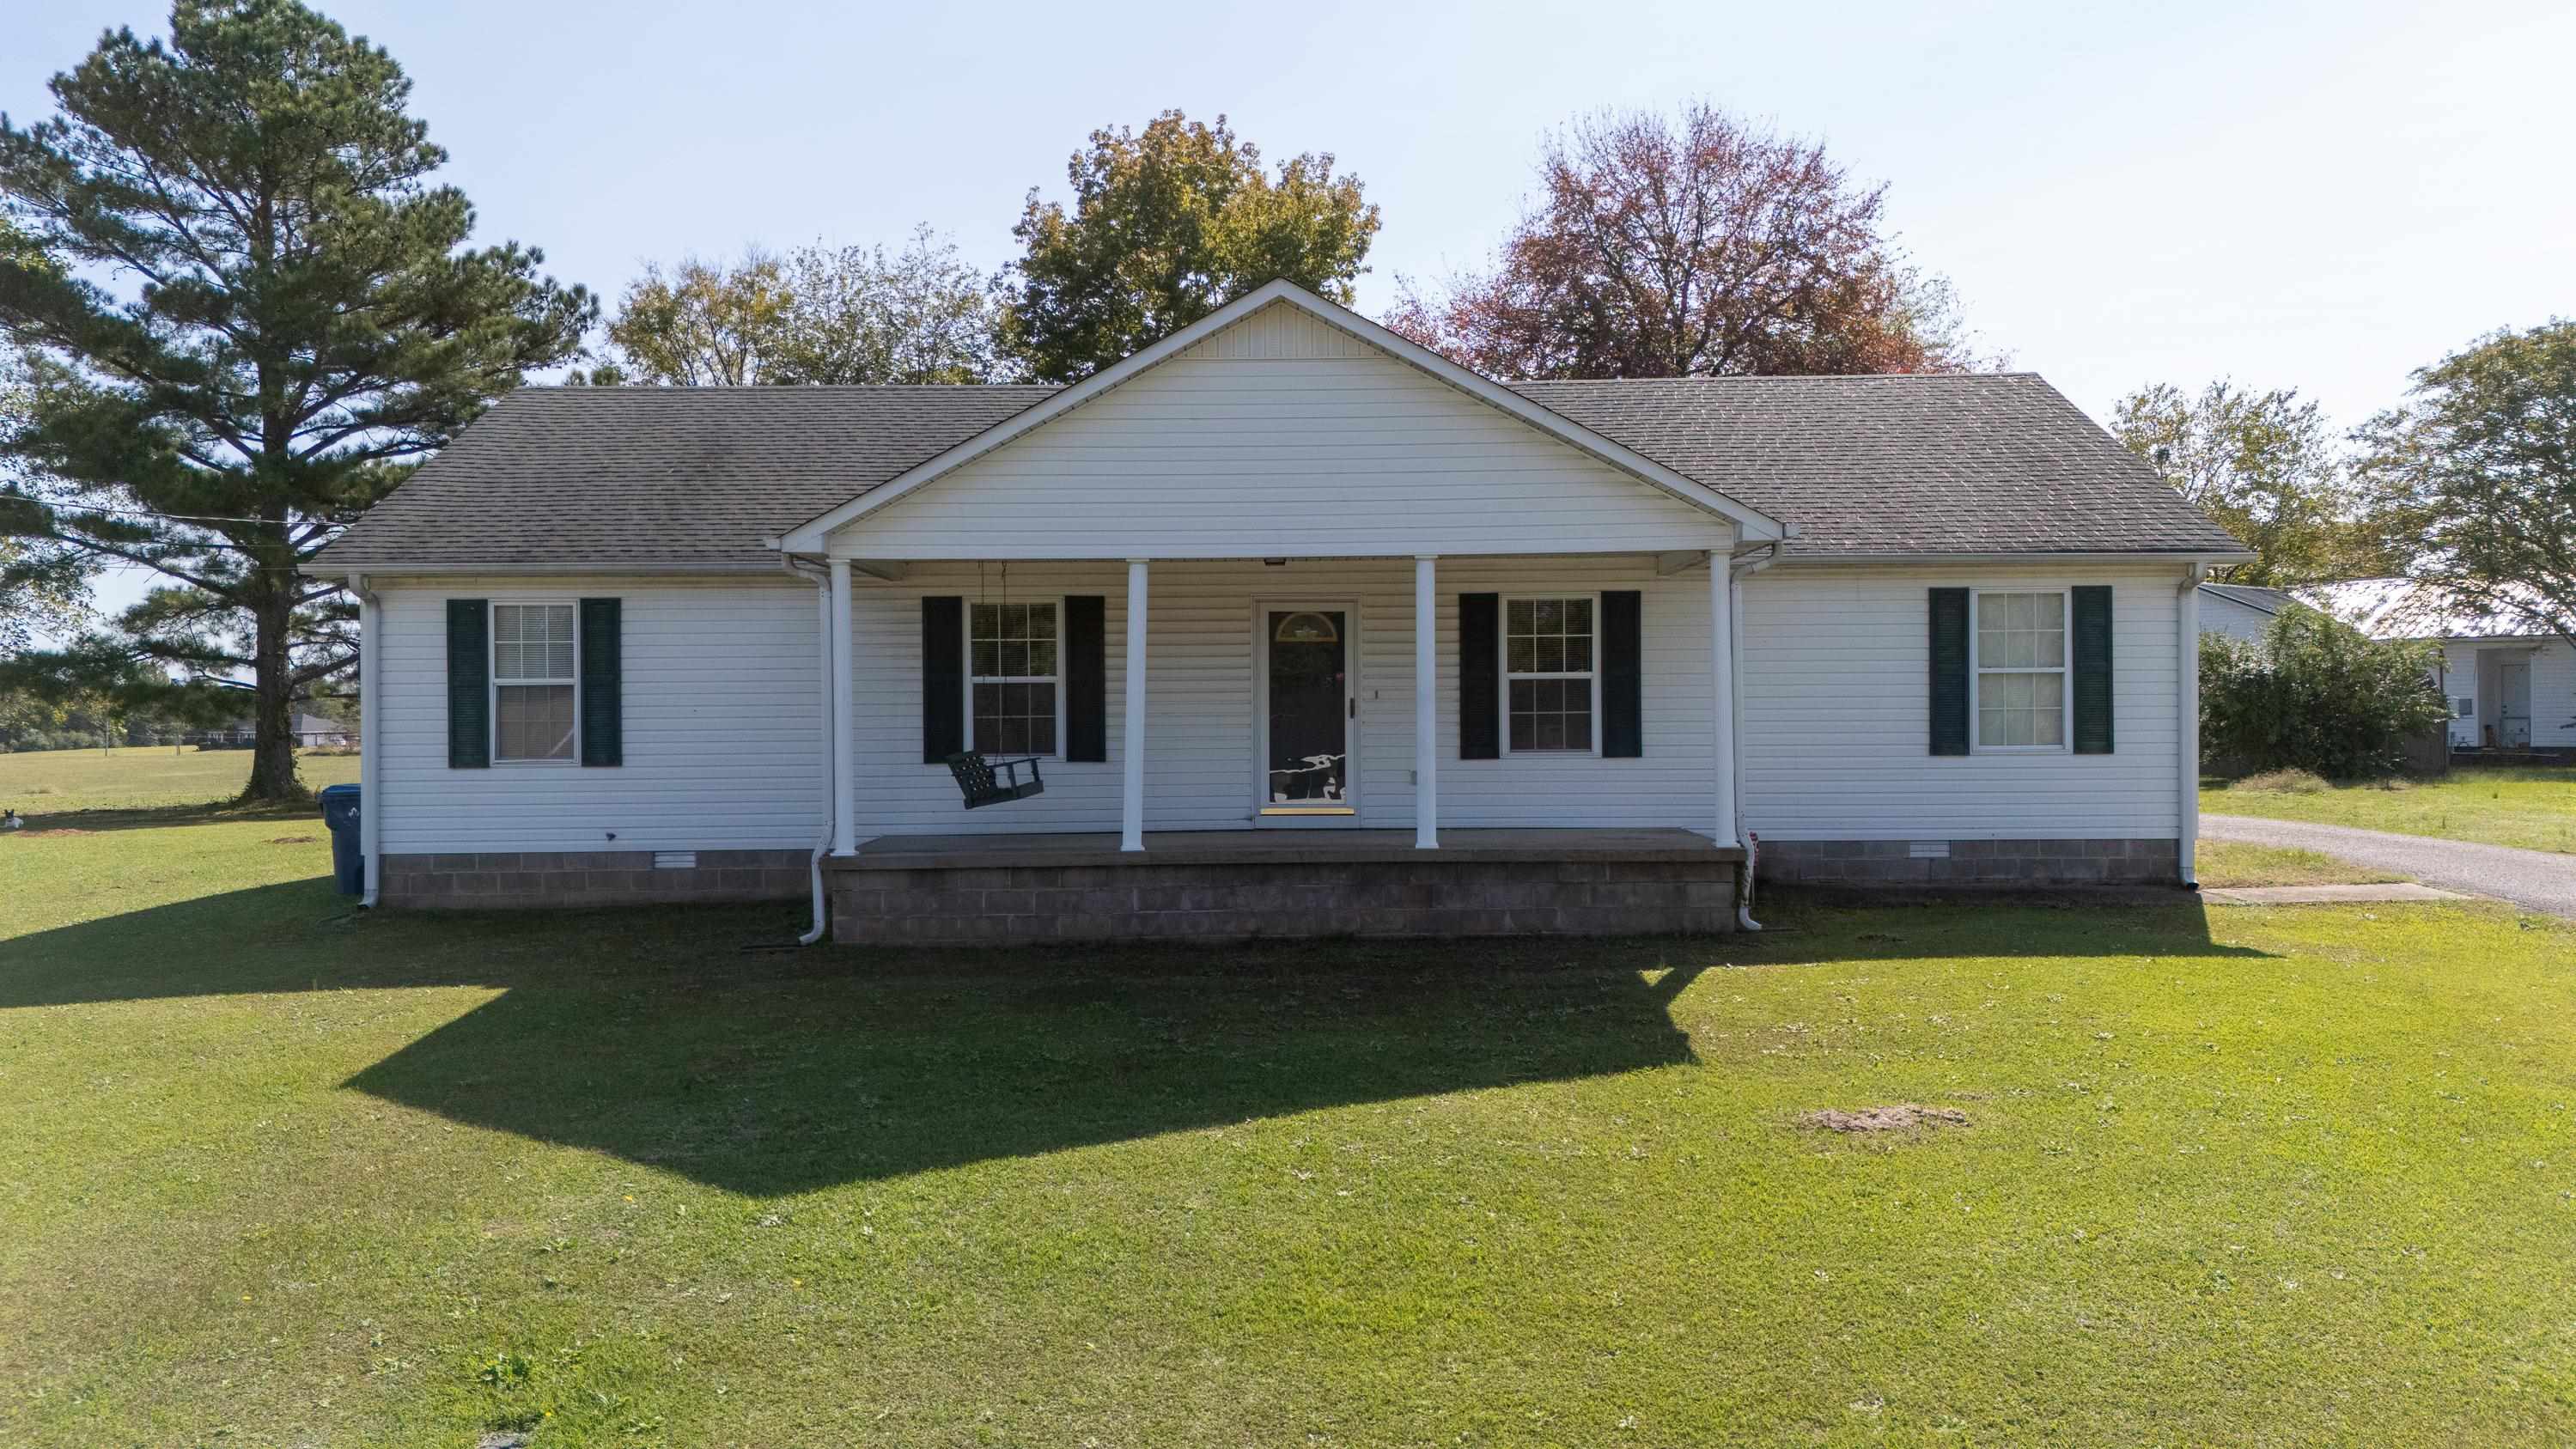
(1131, 819)
(1426, 705)
(1721, 630)
(845, 746)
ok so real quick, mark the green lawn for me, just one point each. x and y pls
(2532, 807)
(2224, 863)
(278, 1173)
(56, 782)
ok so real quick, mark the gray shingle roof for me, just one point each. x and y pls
(1866, 466)
(1961, 463)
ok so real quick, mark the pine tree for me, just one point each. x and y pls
(248, 314)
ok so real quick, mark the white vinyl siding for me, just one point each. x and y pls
(1264, 446)
(1202, 771)
(1836, 680)
(721, 726)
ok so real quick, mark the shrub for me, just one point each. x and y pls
(2317, 695)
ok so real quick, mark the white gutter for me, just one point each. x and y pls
(1738, 570)
(831, 755)
(2187, 723)
(371, 681)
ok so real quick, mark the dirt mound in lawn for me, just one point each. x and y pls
(1900, 1117)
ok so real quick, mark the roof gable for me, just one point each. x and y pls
(1292, 324)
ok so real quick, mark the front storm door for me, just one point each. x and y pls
(1307, 742)
(2513, 712)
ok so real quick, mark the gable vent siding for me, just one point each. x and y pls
(1277, 333)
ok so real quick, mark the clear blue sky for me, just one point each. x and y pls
(2322, 196)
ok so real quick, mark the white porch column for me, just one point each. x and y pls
(1131, 819)
(1721, 651)
(1426, 705)
(845, 747)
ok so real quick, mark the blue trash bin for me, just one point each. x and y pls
(340, 810)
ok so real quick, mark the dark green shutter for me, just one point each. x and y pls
(1086, 678)
(943, 677)
(469, 684)
(1949, 671)
(602, 689)
(1479, 682)
(1622, 726)
(2091, 655)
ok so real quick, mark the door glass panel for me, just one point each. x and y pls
(1309, 722)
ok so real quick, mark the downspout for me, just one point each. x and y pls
(2187, 725)
(1737, 571)
(371, 680)
(831, 756)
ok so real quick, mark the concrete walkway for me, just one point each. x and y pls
(2538, 880)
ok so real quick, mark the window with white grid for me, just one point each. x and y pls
(1549, 674)
(535, 681)
(1011, 677)
(2021, 671)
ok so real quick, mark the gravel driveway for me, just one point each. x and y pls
(2539, 880)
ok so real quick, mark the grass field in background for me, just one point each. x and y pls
(151, 777)
(2532, 807)
(280, 1172)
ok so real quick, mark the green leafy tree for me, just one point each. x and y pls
(2315, 694)
(860, 315)
(1167, 226)
(704, 324)
(2480, 464)
(816, 315)
(2265, 465)
(251, 315)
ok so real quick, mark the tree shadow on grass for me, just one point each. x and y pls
(654, 1036)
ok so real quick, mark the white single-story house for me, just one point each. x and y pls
(2240, 611)
(2511, 683)
(1307, 630)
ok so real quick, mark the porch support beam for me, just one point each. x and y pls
(885, 570)
(1679, 561)
(836, 713)
(1131, 817)
(1721, 648)
(1426, 705)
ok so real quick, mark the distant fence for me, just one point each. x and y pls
(42, 742)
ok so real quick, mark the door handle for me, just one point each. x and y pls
(1354, 708)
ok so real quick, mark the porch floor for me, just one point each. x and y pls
(1661, 845)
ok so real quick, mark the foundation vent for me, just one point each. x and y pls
(675, 860)
(1927, 850)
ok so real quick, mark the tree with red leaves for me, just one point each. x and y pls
(1692, 246)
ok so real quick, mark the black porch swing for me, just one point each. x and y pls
(986, 781)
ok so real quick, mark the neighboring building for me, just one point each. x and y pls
(2239, 611)
(2511, 686)
(308, 729)
(1314, 632)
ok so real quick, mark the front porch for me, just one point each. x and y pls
(1239, 884)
